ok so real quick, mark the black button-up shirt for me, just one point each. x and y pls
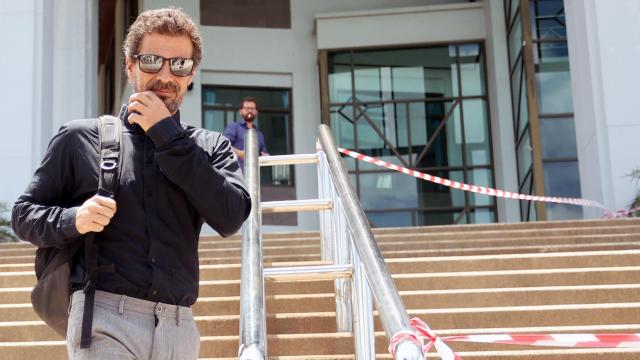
(173, 178)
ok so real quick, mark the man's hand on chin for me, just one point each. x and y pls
(146, 109)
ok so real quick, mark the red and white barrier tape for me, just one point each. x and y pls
(621, 213)
(566, 340)
(425, 337)
(485, 190)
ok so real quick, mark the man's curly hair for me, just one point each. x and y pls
(168, 21)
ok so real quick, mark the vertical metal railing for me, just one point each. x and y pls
(334, 237)
(391, 310)
(253, 333)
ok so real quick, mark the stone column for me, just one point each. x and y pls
(604, 48)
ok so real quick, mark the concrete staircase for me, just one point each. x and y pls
(546, 277)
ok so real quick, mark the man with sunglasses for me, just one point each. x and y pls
(173, 178)
(236, 131)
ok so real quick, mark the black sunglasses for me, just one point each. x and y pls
(151, 64)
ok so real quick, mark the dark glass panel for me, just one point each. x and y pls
(515, 41)
(340, 88)
(246, 13)
(231, 97)
(562, 179)
(480, 177)
(483, 216)
(476, 130)
(341, 118)
(471, 70)
(558, 138)
(439, 218)
(553, 85)
(548, 19)
(523, 155)
(214, 120)
(564, 212)
(405, 73)
(432, 195)
(526, 188)
(446, 148)
(390, 218)
(388, 190)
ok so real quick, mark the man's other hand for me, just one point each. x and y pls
(95, 214)
(146, 109)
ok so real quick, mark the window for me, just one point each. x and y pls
(545, 134)
(246, 13)
(220, 107)
(422, 108)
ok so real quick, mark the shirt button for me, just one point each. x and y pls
(159, 308)
(154, 292)
(153, 260)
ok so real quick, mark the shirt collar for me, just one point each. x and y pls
(244, 124)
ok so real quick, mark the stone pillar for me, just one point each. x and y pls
(499, 85)
(604, 48)
(75, 60)
(25, 32)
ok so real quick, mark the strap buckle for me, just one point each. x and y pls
(108, 164)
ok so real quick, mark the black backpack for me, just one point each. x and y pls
(51, 295)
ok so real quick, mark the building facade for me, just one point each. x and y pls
(533, 96)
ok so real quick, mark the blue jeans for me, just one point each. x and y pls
(130, 328)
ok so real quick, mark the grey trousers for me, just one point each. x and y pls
(130, 328)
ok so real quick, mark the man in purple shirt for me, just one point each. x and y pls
(236, 131)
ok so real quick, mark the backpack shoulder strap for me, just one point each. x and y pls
(110, 130)
(110, 135)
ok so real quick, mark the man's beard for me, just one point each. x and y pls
(172, 103)
(249, 117)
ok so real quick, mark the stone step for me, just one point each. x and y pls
(417, 281)
(453, 280)
(410, 235)
(539, 225)
(312, 252)
(342, 343)
(514, 261)
(421, 299)
(555, 354)
(433, 264)
(56, 350)
(452, 318)
(406, 242)
(429, 299)
(437, 233)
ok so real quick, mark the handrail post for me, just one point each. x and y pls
(363, 331)
(335, 244)
(391, 310)
(327, 233)
(253, 342)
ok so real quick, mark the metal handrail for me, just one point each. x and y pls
(296, 205)
(271, 160)
(391, 310)
(253, 333)
(349, 246)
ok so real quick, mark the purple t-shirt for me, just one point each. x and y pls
(236, 131)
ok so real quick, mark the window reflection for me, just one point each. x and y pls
(415, 107)
(562, 179)
(558, 138)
